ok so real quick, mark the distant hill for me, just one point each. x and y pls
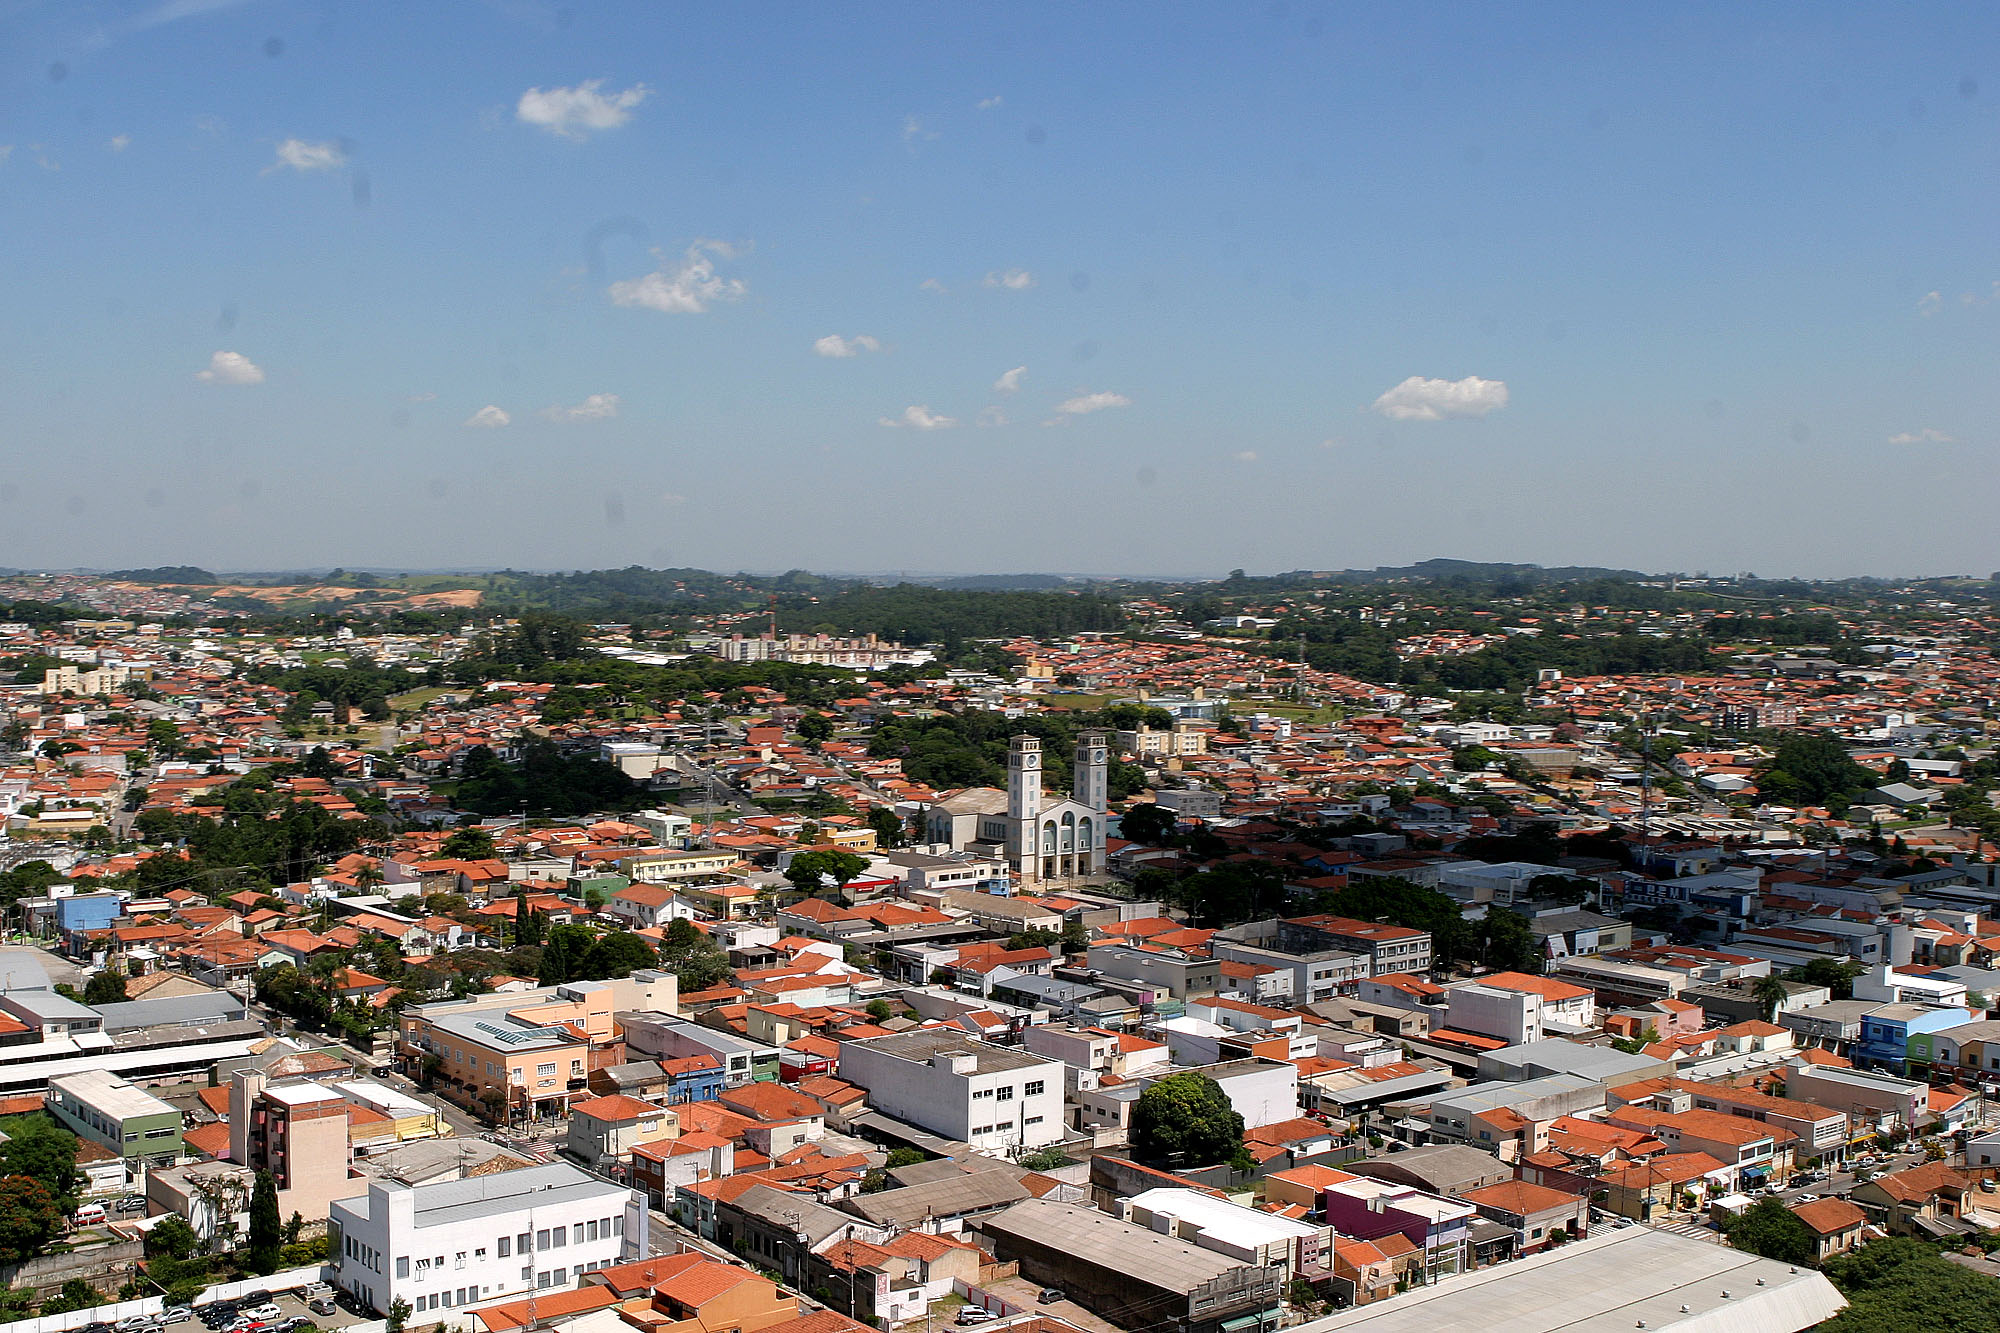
(164, 574)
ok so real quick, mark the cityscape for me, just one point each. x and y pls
(1032, 669)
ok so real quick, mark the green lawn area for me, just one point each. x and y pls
(416, 698)
(1084, 703)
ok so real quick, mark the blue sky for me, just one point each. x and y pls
(1692, 287)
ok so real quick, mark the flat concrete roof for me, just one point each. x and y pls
(1622, 1279)
(111, 1095)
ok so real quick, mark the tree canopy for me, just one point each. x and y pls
(1186, 1120)
(1774, 1231)
(1899, 1286)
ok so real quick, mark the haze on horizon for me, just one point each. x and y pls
(1023, 289)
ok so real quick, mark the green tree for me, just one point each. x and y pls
(1811, 769)
(1836, 976)
(815, 729)
(554, 969)
(399, 1315)
(107, 987)
(889, 832)
(45, 1153)
(1900, 1286)
(1770, 994)
(1509, 945)
(618, 954)
(697, 961)
(1774, 1231)
(1186, 1120)
(76, 1294)
(468, 844)
(172, 1238)
(809, 871)
(266, 1230)
(881, 1010)
(1148, 823)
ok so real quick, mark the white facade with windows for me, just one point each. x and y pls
(470, 1242)
(995, 1098)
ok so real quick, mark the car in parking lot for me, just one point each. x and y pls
(267, 1311)
(175, 1314)
(973, 1314)
(1806, 1198)
(1050, 1295)
(139, 1323)
(321, 1305)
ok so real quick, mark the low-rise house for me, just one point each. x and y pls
(1835, 1223)
(1922, 1201)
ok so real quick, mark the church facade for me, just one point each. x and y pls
(1052, 842)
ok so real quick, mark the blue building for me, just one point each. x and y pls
(84, 912)
(1887, 1029)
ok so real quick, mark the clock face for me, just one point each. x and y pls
(1097, 756)
(1031, 761)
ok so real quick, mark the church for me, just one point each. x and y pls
(1053, 842)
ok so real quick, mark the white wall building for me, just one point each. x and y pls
(468, 1242)
(991, 1097)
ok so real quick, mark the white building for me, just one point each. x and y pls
(992, 1097)
(468, 1242)
(1248, 1234)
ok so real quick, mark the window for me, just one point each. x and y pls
(1005, 1094)
(423, 1267)
(983, 1092)
(522, 1243)
(1033, 1120)
(546, 1070)
(479, 1253)
(458, 1260)
(561, 1236)
(542, 1239)
(402, 1265)
(1033, 1089)
(618, 1225)
(528, 1273)
(604, 1228)
(590, 1229)
(506, 1244)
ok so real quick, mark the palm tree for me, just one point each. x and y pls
(1770, 994)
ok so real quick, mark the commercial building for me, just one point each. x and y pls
(667, 1039)
(101, 1108)
(1367, 1209)
(1617, 1279)
(992, 1097)
(1247, 1234)
(467, 1242)
(1132, 1276)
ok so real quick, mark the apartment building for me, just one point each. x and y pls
(1388, 948)
(468, 1242)
(297, 1130)
(991, 1097)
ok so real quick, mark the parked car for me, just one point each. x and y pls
(139, 1323)
(175, 1314)
(266, 1311)
(1050, 1295)
(973, 1314)
(1806, 1198)
(321, 1305)
(132, 1203)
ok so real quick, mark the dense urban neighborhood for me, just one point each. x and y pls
(1445, 947)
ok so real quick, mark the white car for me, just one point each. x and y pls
(263, 1312)
(1806, 1198)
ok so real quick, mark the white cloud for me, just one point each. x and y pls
(672, 498)
(914, 131)
(1011, 381)
(1930, 303)
(1084, 404)
(686, 288)
(1013, 279)
(992, 416)
(426, 397)
(931, 285)
(1924, 436)
(989, 103)
(300, 155)
(835, 345)
(918, 417)
(1245, 455)
(1420, 399)
(231, 368)
(597, 407)
(572, 113)
(119, 143)
(489, 417)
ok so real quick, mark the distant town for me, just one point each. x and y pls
(664, 951)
